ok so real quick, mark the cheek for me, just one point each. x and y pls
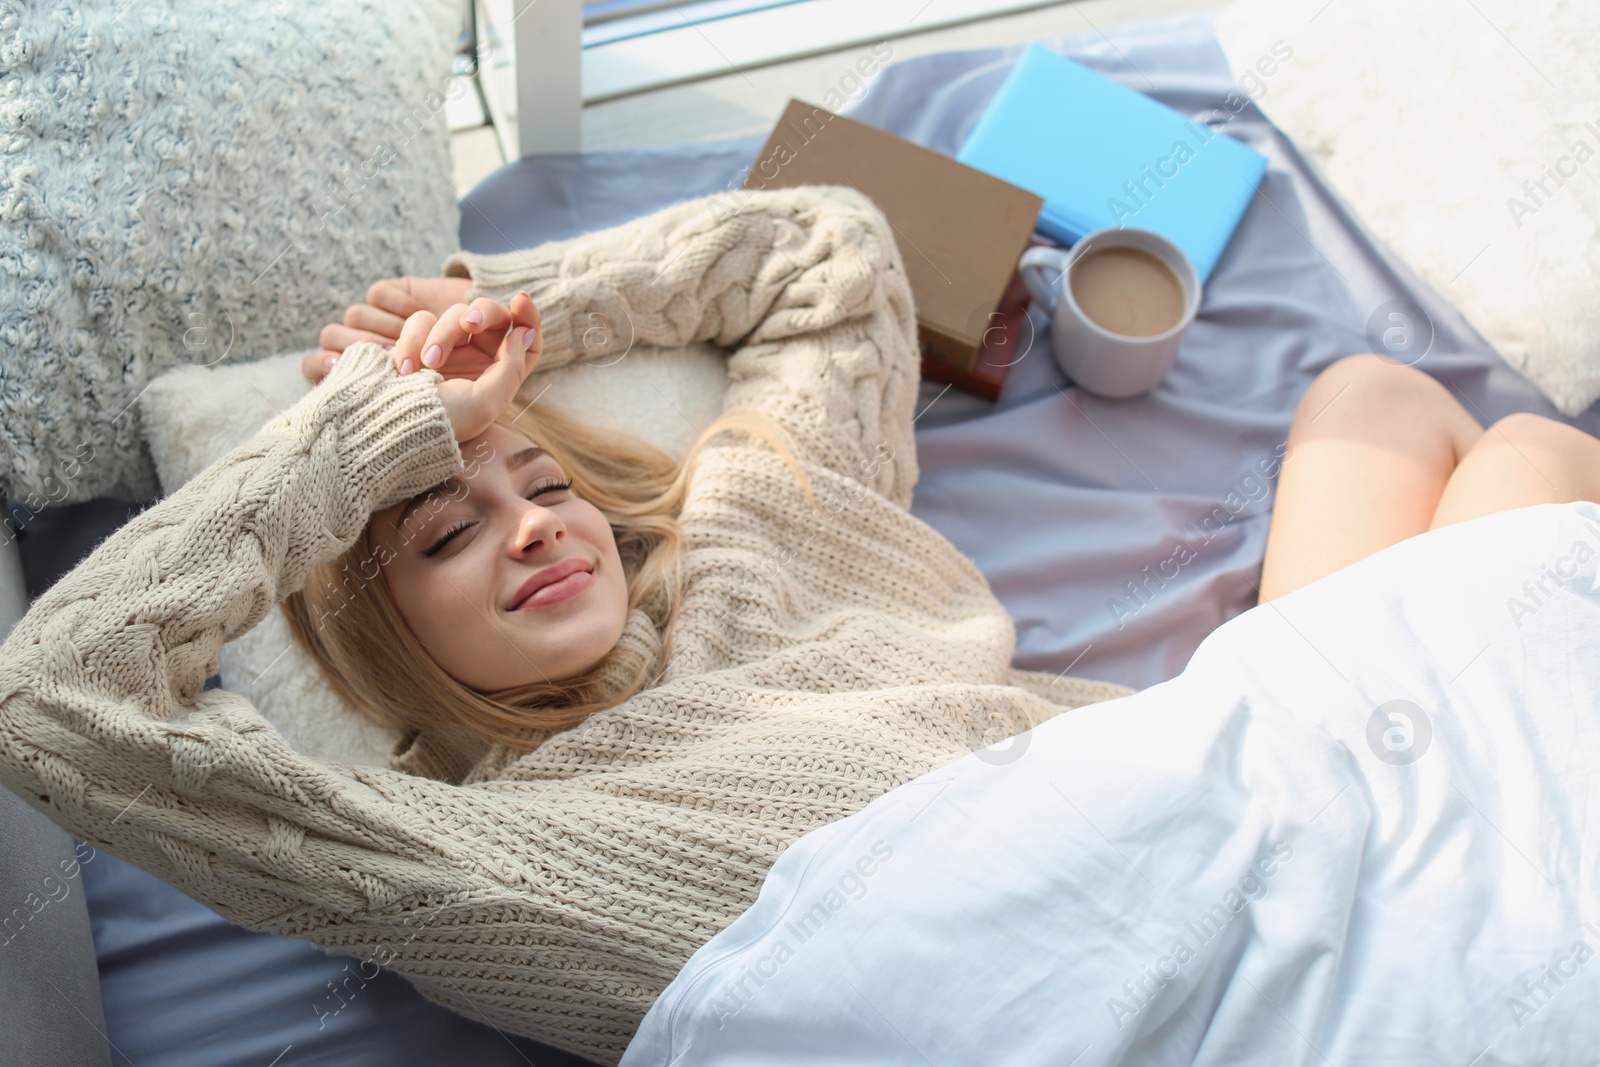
(596, 531)
(431, 601)
(590, 524)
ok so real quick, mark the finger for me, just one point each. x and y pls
(374, 320)
(514, 343)
(315, 365)
(485, 316)
(525, 313)
(484, 323)
(497, 385)
(517, 354)
(337, 338)
(518, 351)
(453, 330)
(394, 296)
(407, 352)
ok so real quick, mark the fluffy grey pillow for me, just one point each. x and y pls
(198, 182)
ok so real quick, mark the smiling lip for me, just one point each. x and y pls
(551, 575)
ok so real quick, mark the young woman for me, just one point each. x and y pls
(626, 684)
(793, 648)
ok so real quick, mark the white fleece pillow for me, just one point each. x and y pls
(1467, 138)
(194, 415)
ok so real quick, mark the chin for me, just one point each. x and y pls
(586, 641)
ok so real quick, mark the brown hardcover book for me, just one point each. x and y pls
(1008, 339)
(960, 231)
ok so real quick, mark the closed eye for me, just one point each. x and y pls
(461, 526)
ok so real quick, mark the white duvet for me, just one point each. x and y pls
(1356, 830)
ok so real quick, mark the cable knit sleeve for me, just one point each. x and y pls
(805, 284)
(104, 722)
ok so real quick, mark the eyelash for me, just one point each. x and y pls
(450, 534)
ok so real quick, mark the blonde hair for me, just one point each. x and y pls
(346, 617)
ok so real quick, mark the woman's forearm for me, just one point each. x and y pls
(806, 282)
(104, 724)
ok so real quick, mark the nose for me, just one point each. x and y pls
(536, 528)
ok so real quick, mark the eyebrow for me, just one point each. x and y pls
(517, 461)
(525, 457)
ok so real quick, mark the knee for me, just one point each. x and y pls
(1369, 384)
(1524, 459)
(1562, 457)
(1379, 374)
(1352, 368)
(1526, 430)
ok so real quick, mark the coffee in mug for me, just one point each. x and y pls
(1128, 291)
(1120, 302)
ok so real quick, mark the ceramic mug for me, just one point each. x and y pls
(1105, 363)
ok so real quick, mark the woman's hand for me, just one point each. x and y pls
(389, 303)
(484, 350)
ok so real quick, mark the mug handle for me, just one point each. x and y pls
(1056, 260)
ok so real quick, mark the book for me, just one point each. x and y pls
(1007, 339)
(1101, 154)
(960, 231)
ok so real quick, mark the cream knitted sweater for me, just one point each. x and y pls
(821, 657)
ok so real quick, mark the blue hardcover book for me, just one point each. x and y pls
(1105, 155)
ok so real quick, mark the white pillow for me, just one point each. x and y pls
(193, 415)
(195, 183)
(1429, 117)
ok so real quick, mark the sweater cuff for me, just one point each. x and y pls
(393, 432)
(500, 274)
(497, 275)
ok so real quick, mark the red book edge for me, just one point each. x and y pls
(1008, 339)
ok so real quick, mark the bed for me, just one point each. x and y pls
(1355, 829)
(1067, 503)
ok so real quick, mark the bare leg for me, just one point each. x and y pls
(1371, 450)
(1521, 460)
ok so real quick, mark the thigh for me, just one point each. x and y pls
(1522, 460)
(1370, 451)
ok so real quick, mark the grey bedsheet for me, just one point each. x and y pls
(1059, 497)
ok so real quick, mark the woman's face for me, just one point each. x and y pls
(459, 559)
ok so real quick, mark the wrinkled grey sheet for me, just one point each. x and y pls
(1059, 497)
(1062, 498)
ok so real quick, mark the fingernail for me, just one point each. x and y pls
(474, 316)
(388, 345)
(406, 366)
(328, 362)
(523, 292)
(434, 354)
(527, 338)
